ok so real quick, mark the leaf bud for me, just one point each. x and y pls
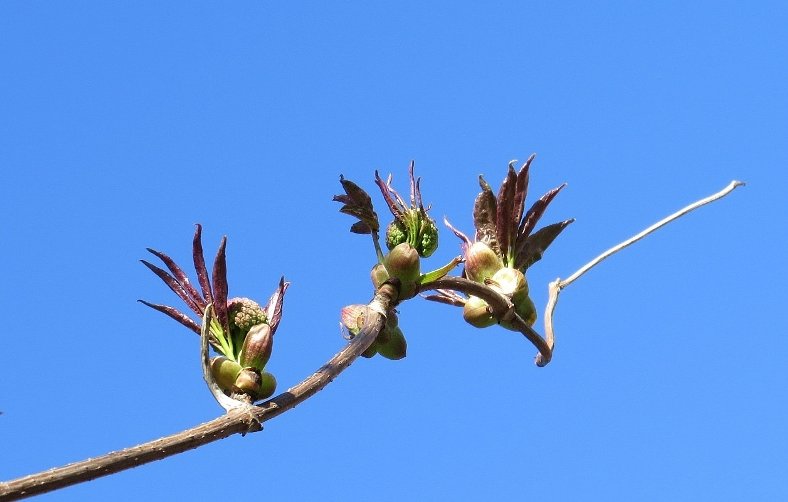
(476, 312)
(403, 263)
(248, 382)
(509, 282)
(258, 385)
(267, 385)
(257, 347)
(225, 371)
(352, 318)
(396, 347)
(481, 262)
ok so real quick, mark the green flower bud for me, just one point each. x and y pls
(225, 371)
(244, 313)
(428, 238)
(396, 347)
(476, 312)
(403, 263)
(396, 234)
(257, 347)
(481, 262)
(379, 275)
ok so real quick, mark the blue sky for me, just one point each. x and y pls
(124, 123)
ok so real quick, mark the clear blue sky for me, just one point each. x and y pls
(124, 123)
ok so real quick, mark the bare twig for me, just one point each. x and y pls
(236, 421)
(555, 287)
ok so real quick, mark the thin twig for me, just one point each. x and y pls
(678, 214)
(555, 287)
(236, 421)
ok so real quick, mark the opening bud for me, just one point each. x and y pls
(403, 263)
(509, 282)
(476, 312)
(481, 262)
(257, 347)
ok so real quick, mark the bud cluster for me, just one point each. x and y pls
(390, 342)
(242, 331)
(504, 246)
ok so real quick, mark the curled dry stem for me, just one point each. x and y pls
(555, 287)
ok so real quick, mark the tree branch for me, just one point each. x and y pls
(239, 420)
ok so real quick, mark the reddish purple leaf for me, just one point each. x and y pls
(175, 314)
(358, 203)
(393, 200)
(199, 265)
(521, 191)
(220, 286)
(181, 277)
(504, 226)
(273, 310)
(533, 215)
(484, 214)
(537, 243)
(173, 284)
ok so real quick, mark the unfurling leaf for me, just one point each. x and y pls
(358, 203)
(536, 244)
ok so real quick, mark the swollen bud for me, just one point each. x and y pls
(396, 347)
(403, 263)
(248, 382)
(257, 347)
(257, 385)
(481, 262)
(352, 318)
(267, 385)
(476, 312)
(225, 371)
(509, 282)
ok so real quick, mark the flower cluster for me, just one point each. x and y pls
(242, 330)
